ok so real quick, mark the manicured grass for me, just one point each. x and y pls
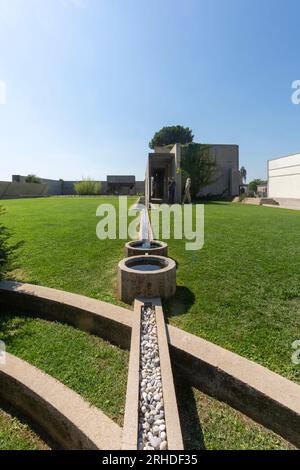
(15, 434)
(59, 246)
(209, 424)
(241, 291)
(98, 371)
(89, 365)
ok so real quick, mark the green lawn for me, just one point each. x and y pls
(60, 248)
(241, 291)
(83, 362)
(209, 424)
(90, 366)
(16, 434)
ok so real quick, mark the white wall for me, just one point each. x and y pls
(284, 177)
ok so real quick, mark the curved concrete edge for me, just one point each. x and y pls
(130, 249)
(69, 420)
(257, 392)
(94, 316)
(263, 395)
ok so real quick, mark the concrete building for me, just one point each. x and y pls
(164, 163)
(284, 178)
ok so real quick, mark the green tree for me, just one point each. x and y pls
(171, 135)
(199, 164)
(243, 173)
(254, 183)
(32, 179)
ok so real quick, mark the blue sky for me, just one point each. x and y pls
(88, 82)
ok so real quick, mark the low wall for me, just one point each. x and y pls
(71, 422)
(48, 187)
(261, 394)
(14, 190)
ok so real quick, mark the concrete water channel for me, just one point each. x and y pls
(151, 415)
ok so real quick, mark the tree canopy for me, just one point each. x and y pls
(32, 179)
(254, 183)
(171, 135)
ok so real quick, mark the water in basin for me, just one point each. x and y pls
(145, 267)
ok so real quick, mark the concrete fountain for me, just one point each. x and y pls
(146, 276)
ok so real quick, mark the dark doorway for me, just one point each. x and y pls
(159, 182)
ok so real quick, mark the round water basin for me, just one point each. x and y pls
(146, 276)
(139, 247)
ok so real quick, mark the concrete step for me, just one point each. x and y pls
(255, 201)
(269, 201)
(258, 201)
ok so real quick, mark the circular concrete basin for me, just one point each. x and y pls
(156, 247)
(146, 276)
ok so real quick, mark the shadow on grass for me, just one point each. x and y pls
(47, 441)
(192, 434)
(11, 326)
(180, 303)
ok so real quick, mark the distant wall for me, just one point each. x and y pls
(13, 190)
(48, 187)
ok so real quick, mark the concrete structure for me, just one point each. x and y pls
(164, 163)
(130, 429)
(135, 280)
(284, 177)
(13, 190)
(70, 421)
(262, 190)
(227, 177)
(261, 394)
(156, 247)
(123, 185)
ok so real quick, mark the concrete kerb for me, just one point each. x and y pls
(130, 428)
(65, 416)
(96, 317)
(175, 441)
(264, 396)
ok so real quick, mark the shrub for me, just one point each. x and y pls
(87, 187)
(4, 248)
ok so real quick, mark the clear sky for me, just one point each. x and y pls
(88, 82)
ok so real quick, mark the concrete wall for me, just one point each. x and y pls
(48, 187)
(284, 177)
(12, 190)
(228, 177)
